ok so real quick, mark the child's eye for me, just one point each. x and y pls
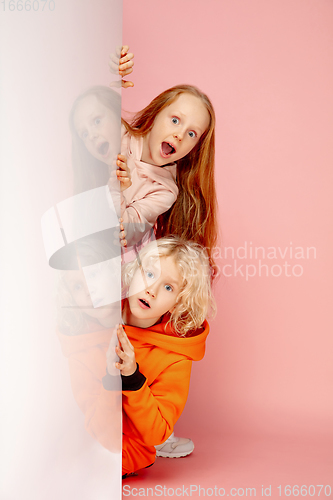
(150, 274)
(175, 120)
(192, 133)
(84, 136)
(97, 121)
(168, 288)
(93, 274)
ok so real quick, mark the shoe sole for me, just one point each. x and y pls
(174, 455)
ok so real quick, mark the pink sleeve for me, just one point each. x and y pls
(140, 216)
(150, 195)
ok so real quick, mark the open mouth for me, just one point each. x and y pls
(144, 303)
(167, 149)
(103, 148)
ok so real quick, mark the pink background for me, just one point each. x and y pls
(260, 407)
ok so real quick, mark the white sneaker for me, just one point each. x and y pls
(175, 447)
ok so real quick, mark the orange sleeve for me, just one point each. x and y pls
(153, 410)
(101, 408)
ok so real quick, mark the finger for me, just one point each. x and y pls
(119, 366)
(125, 342)
(114, 69)
(117, 242)
(126, 58)
(114, 58)
(124, 50)
(117, 84)
(117, 51)
(123, 166)
(126, 84)
(122, 158)
(122, 235)
(125, 66)
(125, 183)
(114, 65)
(119, 348)
(121, 332)
(123, 174)
(120, 353)
(125, 71)
(123, 243)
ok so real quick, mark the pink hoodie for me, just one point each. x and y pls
(153, 190)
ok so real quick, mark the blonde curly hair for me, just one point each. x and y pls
(195, 299)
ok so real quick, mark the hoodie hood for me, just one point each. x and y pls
(192, 347)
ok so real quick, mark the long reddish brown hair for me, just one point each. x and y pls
(88, 171)
(193, 216)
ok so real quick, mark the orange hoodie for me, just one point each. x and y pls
(150, 413)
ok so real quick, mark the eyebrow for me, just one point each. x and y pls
(89, 117)
(174, 283)
(171, 280)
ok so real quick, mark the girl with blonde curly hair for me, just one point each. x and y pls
(169, 297)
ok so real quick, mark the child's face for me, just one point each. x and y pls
(153, 291)
(86, 298)
(176, 130)
(98, 128)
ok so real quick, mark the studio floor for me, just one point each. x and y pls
(242, 466)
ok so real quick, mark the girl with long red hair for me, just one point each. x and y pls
(167, 161)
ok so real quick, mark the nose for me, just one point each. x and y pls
(151, 292)
(92, 134)
(89, 291)
(178, 135)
